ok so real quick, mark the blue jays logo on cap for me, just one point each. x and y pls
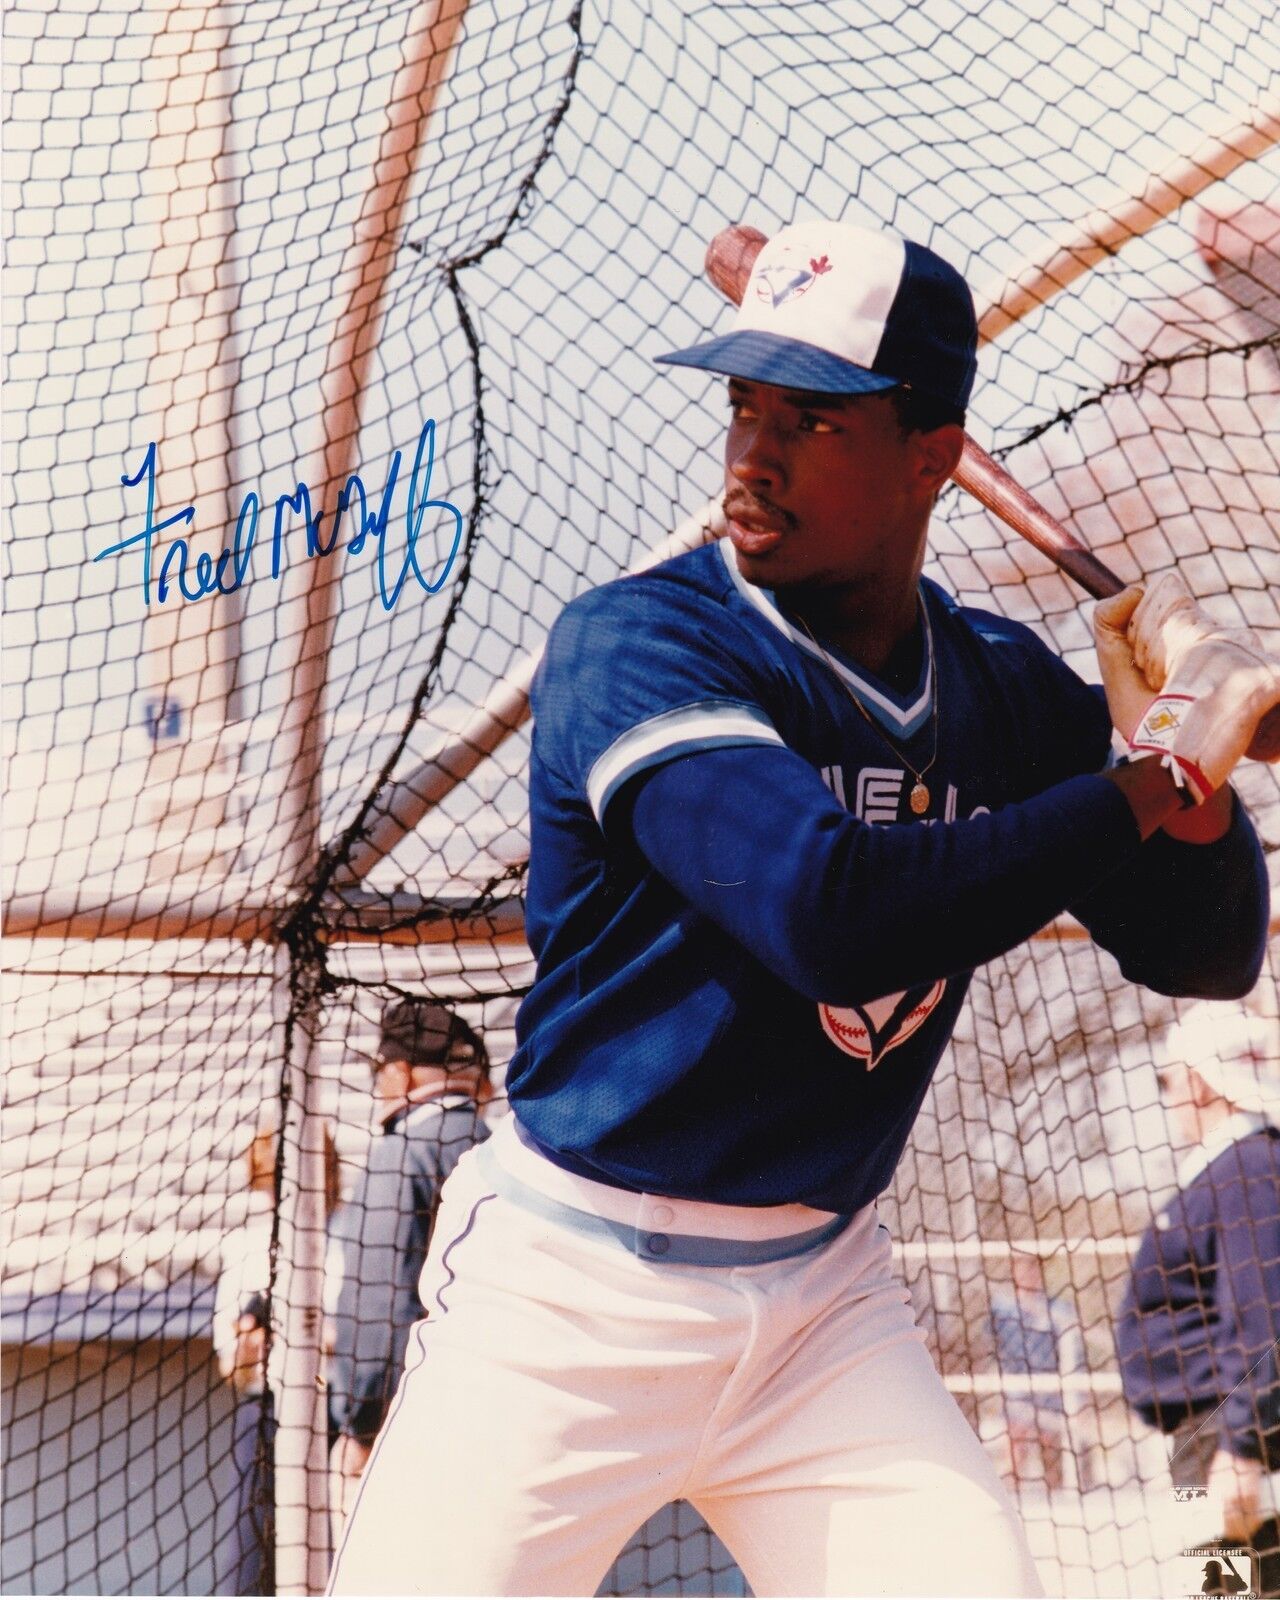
(777, 285)
(847, 310)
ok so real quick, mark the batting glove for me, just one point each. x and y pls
(1204, 718)
(1127, 690)
(1167, 622)
(1215, 684)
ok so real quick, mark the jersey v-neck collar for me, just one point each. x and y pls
(900, 715)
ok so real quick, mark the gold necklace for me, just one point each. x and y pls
(918, 799)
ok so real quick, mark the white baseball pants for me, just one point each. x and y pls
(563, 1388)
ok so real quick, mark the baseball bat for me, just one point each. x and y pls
(730, 257)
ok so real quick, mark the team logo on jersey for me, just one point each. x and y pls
(779, 284)
(869, 1032)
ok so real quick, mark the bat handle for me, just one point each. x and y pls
(988, 482)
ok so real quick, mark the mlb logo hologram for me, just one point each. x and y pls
(1213, 1569)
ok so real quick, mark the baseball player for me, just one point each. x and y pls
(785, 795)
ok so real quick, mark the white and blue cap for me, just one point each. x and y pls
(840, 309)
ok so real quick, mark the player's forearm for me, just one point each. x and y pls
(1187, 919)
(844, 912)
(1156, 803)
(1204, 824)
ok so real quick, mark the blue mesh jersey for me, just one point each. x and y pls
(750, 953)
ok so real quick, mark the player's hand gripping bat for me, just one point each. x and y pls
(730, 257)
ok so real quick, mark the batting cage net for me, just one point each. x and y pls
(267, 773)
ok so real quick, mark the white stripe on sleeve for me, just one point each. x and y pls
(705, 726)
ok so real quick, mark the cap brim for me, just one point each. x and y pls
(788, 363)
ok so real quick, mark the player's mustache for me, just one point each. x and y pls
(744, 507)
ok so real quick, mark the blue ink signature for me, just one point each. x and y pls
(209, 576)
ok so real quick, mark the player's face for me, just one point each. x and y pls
(826, 490)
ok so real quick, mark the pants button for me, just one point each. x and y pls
(657, 1244)
(663, 1215)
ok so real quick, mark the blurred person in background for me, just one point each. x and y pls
(1036, 1336)
(1179, 457)
(430, 1084)
(1240, 245)
(1199, 1330)
(1173, 458)
(244, 1557)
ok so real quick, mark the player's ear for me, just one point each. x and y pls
(395, 1078)
(938, 454)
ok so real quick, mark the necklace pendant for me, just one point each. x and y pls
(919, 798)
